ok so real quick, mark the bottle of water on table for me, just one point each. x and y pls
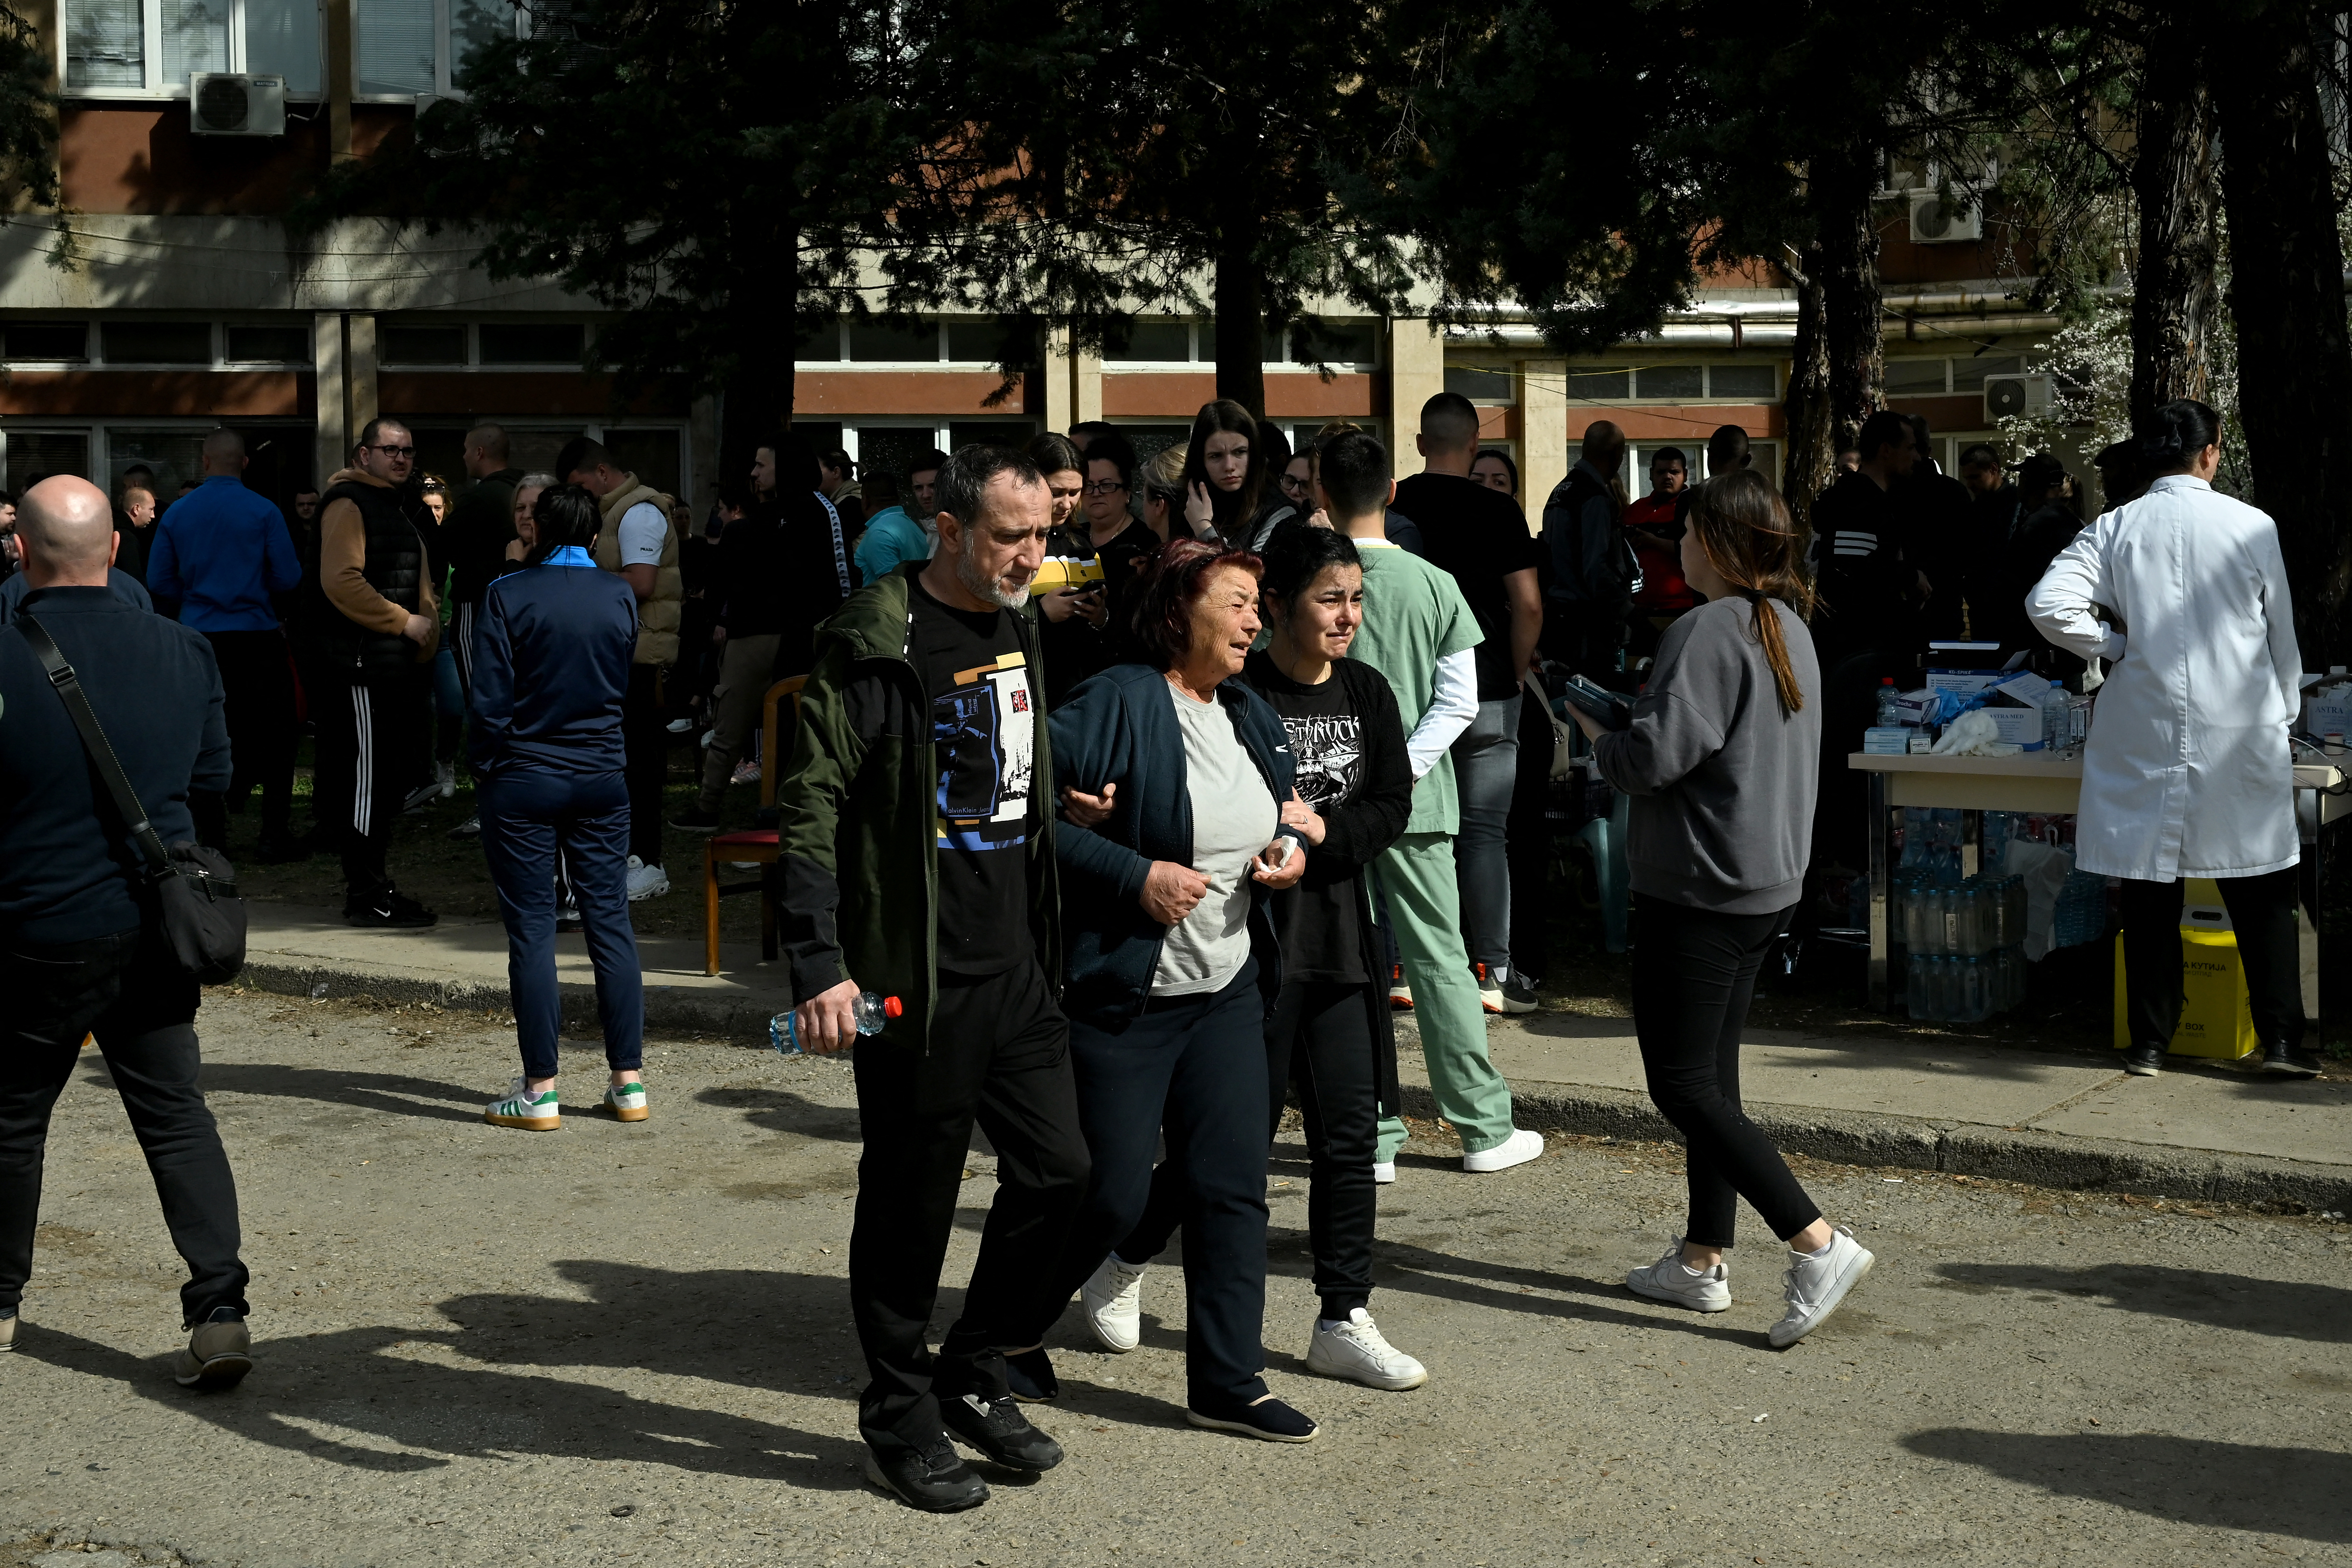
(870, 1012)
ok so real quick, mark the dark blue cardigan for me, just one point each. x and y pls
(552, 651)
(1121, 728)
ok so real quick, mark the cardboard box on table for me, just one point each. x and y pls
(2217, 1018)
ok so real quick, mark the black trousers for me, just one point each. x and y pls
(1194, 1068)
(1693, 976)
(368, 741)
(124, 990)
(1320, 1038)
(258, 689)
(1529, 839)
(645, 746)
(999, 1054)
(2262, 913)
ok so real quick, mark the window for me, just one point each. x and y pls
(982, 342)
(1482, 384)
(875, 340)
(1670, 381)
(46, 340)
(38, 455)
(1725, 382)
(530, 343)
(174, 456)
(117, 48)
(421, 345)
(404, 48)
(1154, 342)
(1001, 432)
(156, 342)
(269, 345)
(1598, 384)
(1332, 343)
(1968, 375)
(1913, 378)
(820, 343)
(651, 455)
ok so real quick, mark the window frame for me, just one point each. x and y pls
(94, 356)
(150, 42)
(444, 54)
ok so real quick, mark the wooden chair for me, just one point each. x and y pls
(760, 844)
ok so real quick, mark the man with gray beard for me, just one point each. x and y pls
(917, 864)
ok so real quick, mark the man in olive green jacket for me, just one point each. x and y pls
(917, 864)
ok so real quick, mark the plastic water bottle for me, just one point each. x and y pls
(870, 1012)
(2057, 723)
(1890, 713)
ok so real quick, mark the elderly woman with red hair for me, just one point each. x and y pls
(1172, 963)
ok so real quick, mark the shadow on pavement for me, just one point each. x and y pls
(2288, 1309)
(395, 1092)
(2227, 1486)
(393, 1414)
(782, 1110)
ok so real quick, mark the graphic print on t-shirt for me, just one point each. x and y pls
(984, 733)
(1330, 752)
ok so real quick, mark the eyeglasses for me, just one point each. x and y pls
(397, 451)
(1294, 484)
(1103, 488)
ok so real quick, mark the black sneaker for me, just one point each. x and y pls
(471, 828)
(1269, 1420)
(387, 909)
(695, 821)
(2144, 1061)
(931, 1478)
(1000, 1432)
(219, 1352)
(1518, 994)
(2288, 1061)
(424, 795)
(1030, 1375)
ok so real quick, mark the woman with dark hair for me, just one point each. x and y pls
(1721, 761)
(1329, 1032)
(1224, 473)
(2187, 771)
(552, 655)
(1172, 963)
(1494, 468)
(1278, 506)
(1068, 587)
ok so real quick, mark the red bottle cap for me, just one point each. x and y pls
(893, 1007)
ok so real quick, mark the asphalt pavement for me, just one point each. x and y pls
(629, 1344)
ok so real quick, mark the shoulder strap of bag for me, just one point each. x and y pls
(93, 739)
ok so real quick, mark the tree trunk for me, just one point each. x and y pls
(1812, 451)
(2287, 293)
(1240, 323)
(2172, 183)
(1850, 302)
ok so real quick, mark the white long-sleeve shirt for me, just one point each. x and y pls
(1451, 709)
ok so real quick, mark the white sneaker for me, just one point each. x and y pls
(1522, 1146)
(521, 1108)
(1668, 1280)
(746, 771)
(646, 880)
(679, 726)
(1817, 1285)
(626, 1101)
(446, 775)
(1384, 1173)
(1356, 1351)
(1112, 1303)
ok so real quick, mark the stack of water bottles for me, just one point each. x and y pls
(1964, 937)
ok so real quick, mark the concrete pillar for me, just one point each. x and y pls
(1060, 404)
(360, 369)
(1416, 374)
(1543, 432)
(334, 438)
(336, 15)
(1085, 387)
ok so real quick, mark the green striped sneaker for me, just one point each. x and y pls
(521, 1108)
(626, 1101)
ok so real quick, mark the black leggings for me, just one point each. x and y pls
(2262, 913)
(1319, 1035)
(1693, 976)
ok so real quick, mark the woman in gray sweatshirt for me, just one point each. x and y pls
(1722, 761)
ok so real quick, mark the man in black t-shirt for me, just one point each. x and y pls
(1479, 536)
(922, 746)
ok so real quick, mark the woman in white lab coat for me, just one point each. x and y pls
(2186, 771)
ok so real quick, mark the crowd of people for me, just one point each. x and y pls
(1127, 798)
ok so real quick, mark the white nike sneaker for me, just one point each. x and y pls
(1112, 1303)
(1525, 1143)
(1355, 1349)
(1816, 1286)
(1668, 1280)
(646, 880)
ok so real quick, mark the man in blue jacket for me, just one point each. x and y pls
(222, 552)
(81, 951)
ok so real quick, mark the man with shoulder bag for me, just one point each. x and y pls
(104, 931)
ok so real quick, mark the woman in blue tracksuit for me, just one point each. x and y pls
(1172, 963)
(552, 651)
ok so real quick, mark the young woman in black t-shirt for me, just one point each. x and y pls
(1329, 1030)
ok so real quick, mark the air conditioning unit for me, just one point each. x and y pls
(2015, 397)
(221, 103)
(1936, 221)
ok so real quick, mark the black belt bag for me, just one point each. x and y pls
(196, 887)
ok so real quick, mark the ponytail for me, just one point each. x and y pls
(2176, 433)
(1743, 528)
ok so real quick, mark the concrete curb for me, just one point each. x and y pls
(1904, 1143)
(2001, 1154)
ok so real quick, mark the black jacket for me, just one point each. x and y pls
(69, 872)
(1866, 565)
(480, 526)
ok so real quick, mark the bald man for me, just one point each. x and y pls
(225, 554)
(81, 951)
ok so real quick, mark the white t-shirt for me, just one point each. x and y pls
(644, 531)
(1233, 817)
